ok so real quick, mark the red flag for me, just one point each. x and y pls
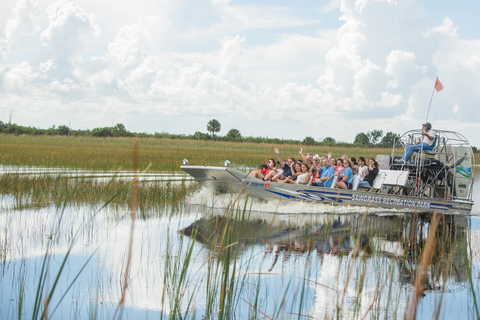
(438, 85)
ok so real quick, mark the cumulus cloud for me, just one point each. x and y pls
(378, 66)
(70, 29)
(22, 29)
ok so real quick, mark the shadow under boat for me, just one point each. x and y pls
(399, 237)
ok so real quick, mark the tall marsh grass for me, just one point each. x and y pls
(162, 154)
(44, 190)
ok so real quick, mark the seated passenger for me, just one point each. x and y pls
(346, 177)
(303, 176)
(354, 163)
(371, 174)
(316, 161)
(296, 171)
(308, 158)
(314, 174)
(285, 166)
(333, 162)
(326, 177)
(362, 168)
(339, 166)
(288, 170)
(260, 172)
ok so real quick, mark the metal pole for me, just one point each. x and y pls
(428, 111)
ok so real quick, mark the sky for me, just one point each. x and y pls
(278, 69)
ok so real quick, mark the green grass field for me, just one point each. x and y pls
(162, 154)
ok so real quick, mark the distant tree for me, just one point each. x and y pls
(362, 139)
(199, 135)
(329, 140)
(308, 141)
(51, 131)
(233, 134)
(213, 126)
(374, 136)
(119, 130)
(388, 139)
(102, 132)
(63, 130)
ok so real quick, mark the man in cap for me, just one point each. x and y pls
(428, 137)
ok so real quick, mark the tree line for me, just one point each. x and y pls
(374, 138)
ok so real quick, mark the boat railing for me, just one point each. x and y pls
(444, 172)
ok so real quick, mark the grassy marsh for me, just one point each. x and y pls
(161, 154)
(40, 190)
(206, 262)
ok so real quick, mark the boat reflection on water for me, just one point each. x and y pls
(401, 239)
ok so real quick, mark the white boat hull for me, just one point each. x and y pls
(225, 179)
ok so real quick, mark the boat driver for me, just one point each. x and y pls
(428, 137)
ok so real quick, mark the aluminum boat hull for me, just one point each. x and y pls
(226, 179)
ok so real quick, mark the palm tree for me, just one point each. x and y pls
(213, 126)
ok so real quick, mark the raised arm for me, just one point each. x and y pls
(278, 154)
(303, 156)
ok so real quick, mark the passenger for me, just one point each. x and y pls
(346, 177)
(271, 170)
(371, 174)
(324, 157)
(354, 163)
(271, 165)
(288, 171)
(297, 170)
(260, 172)
(314, 174)
(333, 162)
(325, 179)
(316, 161)
(302, 175)
(339, 166)
(362, 168)
(308, 158)
(286, 166)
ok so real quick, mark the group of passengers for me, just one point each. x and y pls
(319, 171)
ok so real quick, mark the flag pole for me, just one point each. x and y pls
(433, 91)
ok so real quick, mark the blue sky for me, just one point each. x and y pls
(271, 68)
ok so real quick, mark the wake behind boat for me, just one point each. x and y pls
(438, 179)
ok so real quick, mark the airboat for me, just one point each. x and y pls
(437, 179)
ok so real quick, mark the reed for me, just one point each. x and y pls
(31, 191)
(227, 282)
(161, 154)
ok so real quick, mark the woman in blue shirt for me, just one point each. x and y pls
(347, 175)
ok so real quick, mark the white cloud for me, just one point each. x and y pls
(169, 58)
(24, 26)
(17, 78)
(332, 5)
(70, 29)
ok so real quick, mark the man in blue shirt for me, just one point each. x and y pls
(326, 177)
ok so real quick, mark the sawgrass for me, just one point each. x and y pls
(31, 191)
(161, 154)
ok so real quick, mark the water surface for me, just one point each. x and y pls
(297, 260)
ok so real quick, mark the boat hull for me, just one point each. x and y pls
(276, 191)
(225, 179)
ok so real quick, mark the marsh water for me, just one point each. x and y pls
(222, 256)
